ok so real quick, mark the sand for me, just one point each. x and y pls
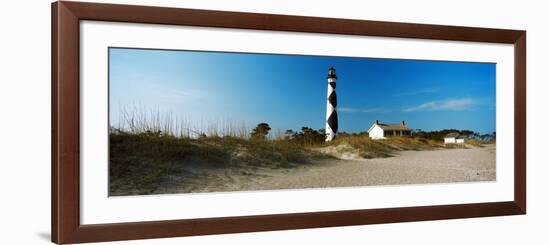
(406, 167)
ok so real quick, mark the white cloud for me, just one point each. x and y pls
(417, 92)
(363, 110)
(448, 105)
(179, 95)
(196, 94)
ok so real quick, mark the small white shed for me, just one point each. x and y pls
(454, 138)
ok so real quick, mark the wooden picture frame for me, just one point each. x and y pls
(65, 174)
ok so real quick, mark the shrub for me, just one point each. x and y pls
(260, 132)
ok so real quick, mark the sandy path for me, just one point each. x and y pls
(408, 167)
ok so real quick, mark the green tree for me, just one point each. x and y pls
(260, 132)
(310, 136)
(288, 134)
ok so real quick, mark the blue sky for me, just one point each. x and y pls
(289, 91)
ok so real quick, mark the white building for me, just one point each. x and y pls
(454, 138)
(381, 131)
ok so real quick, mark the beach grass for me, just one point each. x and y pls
(140, 161)
(145, 149)
(366, 147)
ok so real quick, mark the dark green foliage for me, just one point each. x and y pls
(346, 134)
(308, 136)
(260, 132)
(289, 133)
(439, 135)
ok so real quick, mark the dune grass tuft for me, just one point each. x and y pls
(369, 148)
(138, 162)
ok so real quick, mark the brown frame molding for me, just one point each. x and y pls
(66, 227)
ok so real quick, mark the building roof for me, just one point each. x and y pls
(387, 126)
(452, 135)
(394, 127)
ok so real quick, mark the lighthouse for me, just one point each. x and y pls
(332, 117)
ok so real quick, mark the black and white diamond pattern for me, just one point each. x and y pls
(332, 116)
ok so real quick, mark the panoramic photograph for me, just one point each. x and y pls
(208, 121)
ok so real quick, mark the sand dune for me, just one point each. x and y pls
(406, 167)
